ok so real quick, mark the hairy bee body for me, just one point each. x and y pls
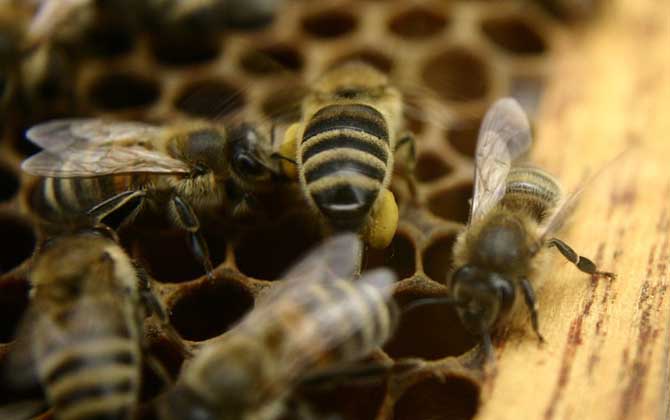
(344, 149)
(306, 328)
(515, 209)
(87, 336)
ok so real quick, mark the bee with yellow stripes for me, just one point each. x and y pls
(82, 337)
(342, 150)
(317, 321)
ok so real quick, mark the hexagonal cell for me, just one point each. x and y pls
(19, 239)
(457, 74)
(117, 91)
(451, 398)
(329, 24)
(437, 258)
(13, 303)
(431, 331)
(9, 184)
(268, 252)
(271, 60)
(168, 256)
(514, 34)
(185, 48)
(418, 22)
(209, 309)
(398, 256)
(210, 98)
(375, 58)
(462, 135)
(451, 203)
(344, 402)
(430, 167)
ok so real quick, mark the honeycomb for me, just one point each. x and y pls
(453, 58)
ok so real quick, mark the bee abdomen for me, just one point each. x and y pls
(345, 156)
(364, 322)
(531, 190)
(92, 379)
(67, 199)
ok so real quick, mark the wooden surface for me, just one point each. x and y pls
(608, 343)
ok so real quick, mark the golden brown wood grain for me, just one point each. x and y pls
(608, 343)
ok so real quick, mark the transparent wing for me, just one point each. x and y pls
(50, 15)
(91, 147)
(503, 137)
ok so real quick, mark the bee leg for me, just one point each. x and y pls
(582, 263)
(407, 141)
(116, 203)
(531, 303)
(288, 152)
(185, 218)
(487, 347)
(159, 369)
(383, 221)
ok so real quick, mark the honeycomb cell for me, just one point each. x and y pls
(430, 167)
(457, 74)
(329, 24)
(431, 331)
(13, 303)
(9, 184)
(450, 398)
(19, 239)
(169, 258)
(267, 253)
(275, 59)
(185, 48)
(375, 58)
(212, 99)
(451, 203)
(284, 103)
(417, 23)
(398, 256)
(514, 34)
(118, 91)
(344, 402)
(209, 309)
(462, 135)
(437, 258)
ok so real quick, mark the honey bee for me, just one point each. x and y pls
(514, 212)
(344, 148)
(316, 321)
(82, 336)
(90, 168)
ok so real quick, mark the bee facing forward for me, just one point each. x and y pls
(317, 321)
(515, 211)
(91, 168)
(82, 335)
(344, 150)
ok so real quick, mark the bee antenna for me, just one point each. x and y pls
(431, 301)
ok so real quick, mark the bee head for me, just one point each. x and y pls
(481, 297)
(244, 153)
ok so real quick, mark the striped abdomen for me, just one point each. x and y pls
(66, 200)
(94, 377)
(531, 190)
(346, 158)
(332, 322)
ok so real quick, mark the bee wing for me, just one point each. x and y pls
(93, 147)
(503, 137)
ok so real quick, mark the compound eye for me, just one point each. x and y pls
(245, 165)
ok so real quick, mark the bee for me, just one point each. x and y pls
(90, 168)
(314, 324)
(344, 148)
(515, 210)
(82, 336)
